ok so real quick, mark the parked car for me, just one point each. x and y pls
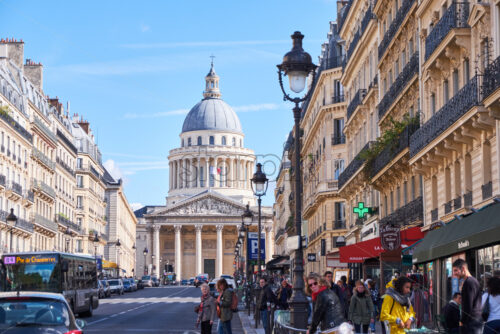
(37, 312)
(116, 286)
(140, 284)
(213, 289)
(191, 281)
(127, 287)
(200, 279)
(156, 281)
(184, 282)
(133, 283)
(105, 288)
(147, 281)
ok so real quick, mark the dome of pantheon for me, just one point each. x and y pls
(211, 155)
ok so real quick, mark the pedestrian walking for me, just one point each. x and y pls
(396, 308)
(451, 314)
(335, 288)
(471, 299)
(327, 311)
(375, 296)
(491, 306)
(266, 296)
(283, 294)
(207, 310)
(361, 308)
(224, 311)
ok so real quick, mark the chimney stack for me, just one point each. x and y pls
(56, 104)
(12, 49)
(84, 125)
(34, 72)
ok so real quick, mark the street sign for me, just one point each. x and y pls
(390, 237)
(253, 246)
(311, 257)
(361, 210)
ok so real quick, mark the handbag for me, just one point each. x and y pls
(485, 314)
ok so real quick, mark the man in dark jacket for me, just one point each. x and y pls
(336, 288)
(471, 299)
(266, 296)
(451, 314)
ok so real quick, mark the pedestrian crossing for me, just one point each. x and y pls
(144, 300)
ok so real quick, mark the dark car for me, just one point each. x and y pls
(127, 287)
(191, 281)
(37, 313)
(200, 280)
(140, 285)
(184, 282)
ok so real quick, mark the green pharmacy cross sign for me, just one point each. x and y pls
(361, 210)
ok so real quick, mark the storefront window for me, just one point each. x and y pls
(488, 261)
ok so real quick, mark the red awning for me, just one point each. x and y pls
(372, 248)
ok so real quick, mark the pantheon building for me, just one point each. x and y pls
(196, 230)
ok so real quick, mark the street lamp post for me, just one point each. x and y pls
(259, 187)
(246, 221)
(118, 245)
(297, 65)
(68, 235)
(96, 242)
(145, 252)
(12, 222)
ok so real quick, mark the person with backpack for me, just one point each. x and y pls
(224, 307)
(266, 296)
(396, 307)
(361, 308)
(491, 306)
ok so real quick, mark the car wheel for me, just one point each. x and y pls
(90, 310)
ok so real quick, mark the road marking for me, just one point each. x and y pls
(168, 300)
(114, 315)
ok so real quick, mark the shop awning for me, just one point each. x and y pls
(476, 230)
(372, 248)
(109, 264)
(279, 262)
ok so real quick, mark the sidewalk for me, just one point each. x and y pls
(248, 323)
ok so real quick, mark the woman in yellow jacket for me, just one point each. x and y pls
(396, 308)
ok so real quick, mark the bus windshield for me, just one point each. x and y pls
(35, 274)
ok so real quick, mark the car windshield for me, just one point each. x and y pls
(114, 282)
(25, 312)
(126, 283)
(146, 278)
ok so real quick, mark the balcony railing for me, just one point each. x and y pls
(46, 223)
(434, 215)
(65, 166)
(357, 36)
(16, 187)
(408, 73)
(68, 223)
(66, 141)
(353, 167)
(16, 126)
(280, 232)
(355, 102)
(338, 98)
(25, 225)
(45, 129)
(447, 207)
(407, 214)
(29, 195)
(456, 16)
(342, 18)
(391, 151)
(394, 27)
(468, 199)
(40, 185)
(457, 203)
(3, 180)
(43, 158)
(339, 224)
(487, 190)
(491, 78)
(458, 105)
(337, 140)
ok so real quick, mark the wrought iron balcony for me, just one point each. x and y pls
(45, 129)
(42, 186)
(25, 225)
(407, 214)
(339, 224)
(394, 27)
(355, 102)
(447, 207)
(68, 142)
(338, 98)
(337, 140)
(43, 158)
(29, 195)
(16, 126)
(280, 233)
(357, 36)
(491, 78)
(391, 151)
(16, 187)
(353, 167)
(468, 199)
(408, 73)
(434, 215)
(457, 203)
(46, 223)
(68, 223)
(487, 190)
(456, 16)
(65, 166)
(345, 12)
(457, 106)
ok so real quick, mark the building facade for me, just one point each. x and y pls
(196, 231)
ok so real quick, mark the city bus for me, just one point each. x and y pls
(74, 276)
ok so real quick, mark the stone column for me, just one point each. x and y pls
(220, 254)
(156, 250)
(207, 172)
(199, 250)
(178, 254)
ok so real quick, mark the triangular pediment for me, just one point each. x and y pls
(205, 204)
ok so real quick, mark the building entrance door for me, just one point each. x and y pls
(209, 268)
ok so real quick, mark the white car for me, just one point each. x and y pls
(116, 286)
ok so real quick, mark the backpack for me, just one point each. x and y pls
(234, 302)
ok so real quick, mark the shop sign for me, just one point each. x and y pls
(334, 262)
(390, 237)
(311, 257)
(463, 244)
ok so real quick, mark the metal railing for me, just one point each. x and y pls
(468, 199)
(409, 72)
(339, 224)
(353, 167)
(458, 105)
(456, 16)
(40, 185)
(45, 129)
(491, 78)
(487, 190)
(357, 36)
(44, 222)
(65, 166)
(29, 195)
(16, 187)
(16, 126)
(394, 27)
(68, 223)
(43, 158)
(355, 102)
(280, 232)
(66, 141)
(338, 98)
(345, 11)
(407, 214)
(3, 180)
(434, 215)
(337, 140)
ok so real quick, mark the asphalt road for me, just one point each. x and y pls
(152, 310)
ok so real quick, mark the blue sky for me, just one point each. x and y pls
(133, 69)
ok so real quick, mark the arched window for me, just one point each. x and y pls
(223, 140)
(234, 141)
(211, 140)
(199, 141)
(189, 141)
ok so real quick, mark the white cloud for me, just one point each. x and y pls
(145, 28)
(157, 114)
(256, 107)
(136, 206)
(113, 169)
